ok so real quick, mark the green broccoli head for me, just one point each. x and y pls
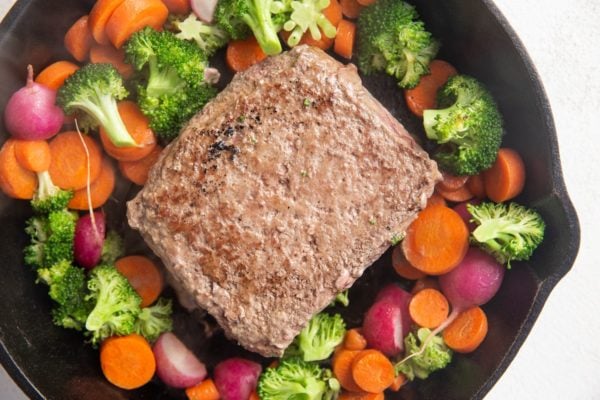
(209, 38)
(435, 356)
(154, 320)
(112, 248)
(48, 197)
(319, 337)
(468, 127)
(94, 90)
(301, 16)
(51, 238)
(507, 231)
(116, 304)
(296, 379)
(240, 17)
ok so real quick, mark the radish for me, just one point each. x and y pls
(236, 378)
(31, 112)
(204, 9)
(461, 209)
(176, 365)
(401, 297)
(383, 327)
(89, 239)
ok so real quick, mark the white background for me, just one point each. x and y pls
(561, 357)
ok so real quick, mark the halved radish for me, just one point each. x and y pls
(383, 327)
(236, 378)
(401, 297)
(176, 365)
(204, 9)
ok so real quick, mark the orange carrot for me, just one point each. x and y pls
(79, 39)
(344, 395)
(366, 2)
(351, 8)
(241, 54)
(254, 396)
(354, 340)
(506, 178)
(342, 368)
(324, 43)
(424, 283)
(15, 181)
(100, 189)
(138, 127)
(54, 75)
(205, 390)
(333, 12)
(423, 96)
(132, 15)
(398, 383)
(467, 331)
(69, 161)
(137, 171)
(436, 241)
(127, 361)
(476, 185)
(372, 371)
(451, 182)
(403, 267)
(273, 364)
(180, 7)
(436, 198)
(108, 54)
(99, 16)
(143, 275)
(33, 155)
(457, 196)
(343, 44)
(428, 308)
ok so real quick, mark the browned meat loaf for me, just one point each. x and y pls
(279, 194)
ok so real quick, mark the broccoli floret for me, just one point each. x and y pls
(51, 238)
(301, 16)
(319, 338)
(173, 89)
(49, 197)
(208, 37)
(468, 127)
(341, 298)
(239, 17)
(94, 90)
(296, 379)
(507, 231)
(392, 39)
(435, 356)
(154, 320)
(116, 304)
(67, 287)
(112, 248)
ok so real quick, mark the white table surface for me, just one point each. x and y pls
(561, 357)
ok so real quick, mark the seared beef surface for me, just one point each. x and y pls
(279, 194)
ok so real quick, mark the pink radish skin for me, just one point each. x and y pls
(176, 365)
(204, 9)
(236, 378)
(401, 297)
(31, 112)
(461, 209)
(88, 241)
(383, 327)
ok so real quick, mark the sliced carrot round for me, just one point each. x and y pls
(79, 39)
(424, 95)
(33, 155)
(476, 185)
(343, 44)
(467, 331)
(15, 181)
(143, 275)
(242, 54)
(506, 178)
(137, 171)
(361, 396)
(127, 361)
(354, 340)
(100, 189)
(342, 368)
(428, 308)
(403, 267)
(351, 8)
(132, 15)
(106, 53)
(99, 16)
(55, 74)
(372, 371)
(69, 163)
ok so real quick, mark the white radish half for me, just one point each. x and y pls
(204, 9)
(176, 365)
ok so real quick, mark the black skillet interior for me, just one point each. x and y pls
(48, 362)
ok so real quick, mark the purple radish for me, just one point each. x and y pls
(89, 239)
(401, 297)
(176, 365)
(461, 209)
(236, 378)
(383, 327)
(31, 112)
(204, 9)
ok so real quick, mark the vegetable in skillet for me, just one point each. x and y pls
(112, 248)
(300, 16)
(173, 89)
(507, 231)
(154, 320)
(435, 356)
(208, 37)
(342, 299)
(319, 337)
(392, 39)
(467, 127)
(48, 197)
(51, 238)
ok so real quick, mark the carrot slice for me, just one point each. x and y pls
(436, 198)
(428, 308)
(451, 182)
(143, 275)
(137, 171)
(180, 7)
(241, 54)
(467, 331)
(127, 361)
(403, 267)
(205, 390)
(324, 43)
(33, 155)
(55, 74)
(424, 95)
(366, 2)
(476, 185)
(351, 8)
(424, 283)
(131, 16)
(138, 127)
(354, 340)
(254, 396)
(99, 15)
(69, 160)
(459, 195)
(108, 54)
(361, 396)
(100, 189)
(436, 241)
(342, 368)
(79, 39)
(398, 383)
(15, 181)
(343, 44)
(333, 12)
(506, 178)
(372, 371)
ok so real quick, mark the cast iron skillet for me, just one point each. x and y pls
(53, 363)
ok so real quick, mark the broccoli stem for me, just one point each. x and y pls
(46, 188)
(162, 81)
(262, 26)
